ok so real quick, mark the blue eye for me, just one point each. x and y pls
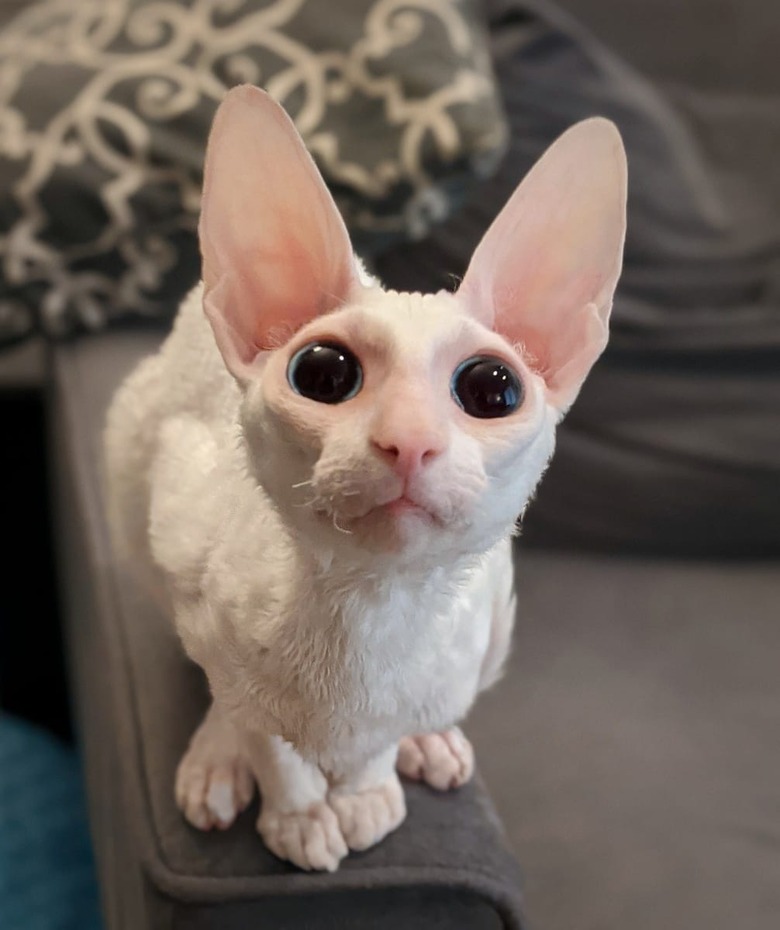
(325, 372)
(486, 388)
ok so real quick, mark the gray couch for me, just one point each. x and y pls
(631, 749)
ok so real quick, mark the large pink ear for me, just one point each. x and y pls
(545, 272)
(275, 250)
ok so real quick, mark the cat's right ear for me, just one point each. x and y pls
(275, 250)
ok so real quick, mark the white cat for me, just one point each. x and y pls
(328, 475)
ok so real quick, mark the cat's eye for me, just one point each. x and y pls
(326, 372)
(486, 388)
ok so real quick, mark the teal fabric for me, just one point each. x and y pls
(47, 878)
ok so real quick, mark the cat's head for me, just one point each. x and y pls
(407, 425)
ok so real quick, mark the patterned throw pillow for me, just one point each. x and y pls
(105, 106)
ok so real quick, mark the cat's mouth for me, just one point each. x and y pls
(399, 510)
(404, 506)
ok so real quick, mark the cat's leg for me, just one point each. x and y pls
(446, 760)
(369, 802)
(295, 820)
(214, 782)
(502, 621)
(443, 760)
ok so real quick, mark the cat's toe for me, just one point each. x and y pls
(212, 789)
(366, 817)
(311, 839)
(443, 760)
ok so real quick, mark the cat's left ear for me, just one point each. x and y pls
(276, 252)
(545, 273)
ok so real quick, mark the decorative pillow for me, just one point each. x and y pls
(105, 108)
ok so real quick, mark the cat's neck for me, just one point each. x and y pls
(382, 581)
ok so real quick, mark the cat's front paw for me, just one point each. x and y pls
(367, 816)
(213, 782)
(443, 760)
(310, 839)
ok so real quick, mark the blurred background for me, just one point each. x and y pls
(633, 748)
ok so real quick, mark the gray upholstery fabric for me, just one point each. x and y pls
(138, 701)
(633, 746)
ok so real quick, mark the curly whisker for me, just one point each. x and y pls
(340, 528)
(309, 503)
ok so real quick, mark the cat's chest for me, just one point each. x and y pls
(329, 671)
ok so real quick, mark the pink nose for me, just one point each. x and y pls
(409, 455)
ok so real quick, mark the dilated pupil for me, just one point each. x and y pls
(486, 388)
(325, 373)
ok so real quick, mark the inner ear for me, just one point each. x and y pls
(545, 273)
(276, 252)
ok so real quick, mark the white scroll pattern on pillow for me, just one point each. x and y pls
(140, 65)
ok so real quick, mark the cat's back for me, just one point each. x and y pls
(187, 375)
(185, 378)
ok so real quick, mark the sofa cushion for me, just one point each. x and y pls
(633, 745)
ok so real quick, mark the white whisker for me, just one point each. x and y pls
(308, 503)
(340, 528)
